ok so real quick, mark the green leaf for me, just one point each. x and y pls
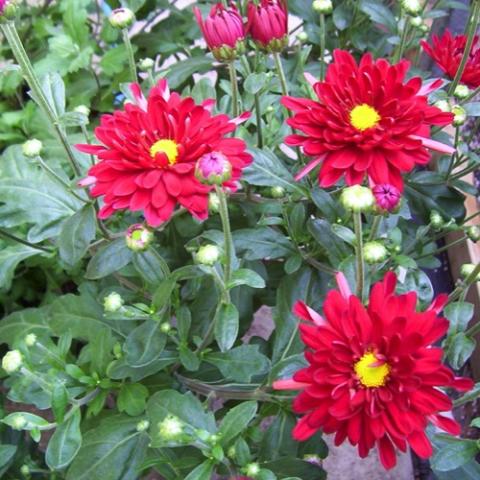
(241, 363)
(460, 348)
(342, 16)
(344, 233)
(203, 472)
(184, 406)
(100, 348)
(144, 344)
(472, 109)
(64, 443)
(151, 266)
(323, 233)
(291, 466)
(10, 257)
(262, 243)
(19, 324)
(245, 276)
(75, 21)
(109, 259)
(189, 360)
(114, 60)
(59, 401)
(132, 399)
(54, 90)
(184, 321)
(32, 421)
(267, 170)
(112, 450)
(236, 420)
(226, 326)
(379, 13)
(458, 314)
(255, 82)
(277, 441)
(76, 234)
(161, 297)
(183, 70)
(7, 452)
(454, 455)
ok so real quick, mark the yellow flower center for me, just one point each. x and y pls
(363, 117)
(168, 147)
(371, 376)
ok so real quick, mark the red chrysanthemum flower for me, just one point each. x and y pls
(373, 374)
(367, 122)
(447, 52)
(147, 160)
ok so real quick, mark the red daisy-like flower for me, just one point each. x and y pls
(447, 52)
(149, 152)
(367, 121)
(373, 374)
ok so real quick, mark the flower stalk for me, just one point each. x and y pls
(360, 271)
(131, 57)
(227, 235)
(322, 47)
(233, 80)
(21, 56)
(281, 73)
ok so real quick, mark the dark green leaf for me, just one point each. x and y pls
(161, 297)
(59, 401)
(183, 70)
(10, 257)
(323, 234)
(151, 266)
(132, 399)
(458, 314)
(226, 326)
(342, 16)
(245, 276)
(236, 421)
(454, 455)
(460, 348)
(255, 82)
(203, 472)
(109, 259)
(261, 243)
(6, 454)
(144, 344)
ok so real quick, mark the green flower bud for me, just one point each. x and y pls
(467, 269)
(121, 18)
(139, 237)
(208, 255)
(374, 252)
(113, 302)
(231, 452)
(252, 469)
(18, 422)
(412, 7)
(460, 116)
(142, 425)
(83, 109)
(9, 10)
(277, 192)
(12, 361)
(165, 327)
(357, 198)
(213, 202)
(443, 105)
(473, 233)
(302, 37)
(171, 428)
(227, 54)
(30, 340)
(146, 64)
(424, 28)
(397, 249)
(322, 6)
(436, 220)
(25, 470)
(118, 351)
(416, 22)
(32, 148)
(461, 92)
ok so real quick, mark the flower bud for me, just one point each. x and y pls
(30, 340)
(416, 22)
(213, 169)
(357, 198)
(32, 148)
(312, 458)
(139, 237)
(436, 220)
(25, 470)
(461, 92)
(277, 192)
(121, 18)
(387, 197)
(460, 116)
(268, 24)
(8, 9)
(374, 252)
(252, 469)
(165, 327)
(213, 202)
(12, 361)
(142, 425)
(83, 109)
(118, 350)
(412, 7)
(473, 233)
(113, 302)
(467, 269)
(322, 6)
(223, 31)
(18, 422)
(424, 28)
(443, 105)
(146, 64)
(171, 428)
(302, 37)
(208, 255)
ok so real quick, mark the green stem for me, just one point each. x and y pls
(5, 234)
(442, 249)
(403, 41)
(87, 139)
(357, 221)
(472, 24)
(59, 179)
(227, 235)
(473, 94)
(454, 154)
(472, 278)
(27, 69)
(375, 226)
(322, 47)
(233, 80)
(281, 74)
(464, 172)
(258, 115)
(131, 56)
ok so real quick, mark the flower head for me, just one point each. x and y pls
(113, 302)
(207, 255)
(357, 198)
(32, 148)
(323, 6)
(139, 237)
(213, 169)
(374, 374)
(121, 18)
(171, 428)
(368, 122)
(149, 152)
(447, 52)
(12, 361)
(223, 31)
(374, 252)
(387, 197)
(30, 340)
(268, 24)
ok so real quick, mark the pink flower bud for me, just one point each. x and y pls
(223, 31)
(386, 196)
(213, 169)
(268, 24)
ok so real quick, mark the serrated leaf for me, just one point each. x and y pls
(132, 399)
(23, 322)
(458, 314)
